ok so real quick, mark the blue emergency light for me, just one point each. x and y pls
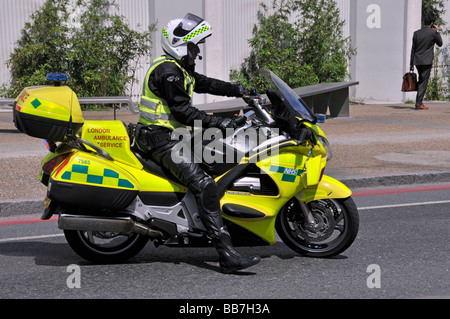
(58, 77)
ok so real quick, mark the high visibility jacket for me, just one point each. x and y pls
(154, 110)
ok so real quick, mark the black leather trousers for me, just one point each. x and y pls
(205, 190)
(201, 184)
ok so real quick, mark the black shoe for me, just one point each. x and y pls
(232, 264)
(230, 259)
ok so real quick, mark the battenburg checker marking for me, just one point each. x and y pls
(289, 174)
(79, 173)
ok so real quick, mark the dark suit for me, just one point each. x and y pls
(422, 56)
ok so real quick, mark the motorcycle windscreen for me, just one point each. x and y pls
(294, 104)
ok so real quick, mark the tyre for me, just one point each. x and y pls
(337, 223)
(105, 247)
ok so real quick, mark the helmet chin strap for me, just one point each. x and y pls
(193, 52)
(189, 60)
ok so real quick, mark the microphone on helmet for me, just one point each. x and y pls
(200, 57)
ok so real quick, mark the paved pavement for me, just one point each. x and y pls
(378, 145)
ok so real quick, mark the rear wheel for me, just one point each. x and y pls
(105, 247)
(337, 224)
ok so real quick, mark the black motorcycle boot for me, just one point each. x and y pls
(211, 217)
(206, 194)
(230, 259)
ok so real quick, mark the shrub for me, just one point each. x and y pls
(97, 49)
(301, 41)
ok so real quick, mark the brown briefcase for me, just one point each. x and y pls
(409, 82)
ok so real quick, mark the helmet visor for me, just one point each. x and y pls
(189, 22)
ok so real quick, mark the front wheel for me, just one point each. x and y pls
(337, 223)
(105, 247)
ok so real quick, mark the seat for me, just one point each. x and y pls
(155, 168)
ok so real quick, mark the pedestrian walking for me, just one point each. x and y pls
(422, 56)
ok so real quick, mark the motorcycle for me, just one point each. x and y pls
(111, 200)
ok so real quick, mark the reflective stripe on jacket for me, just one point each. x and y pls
(154, 110)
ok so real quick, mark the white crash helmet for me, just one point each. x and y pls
(179, 32)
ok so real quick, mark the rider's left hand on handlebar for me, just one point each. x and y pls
(249, 94)
(231, 123)
(240, 120)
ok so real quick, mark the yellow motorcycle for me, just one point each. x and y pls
(111, 199)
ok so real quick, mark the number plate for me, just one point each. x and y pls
(47, 202)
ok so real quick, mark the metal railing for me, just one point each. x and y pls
(114, 100)
(7, 101)
(111, 100)
(216, 107)
(319, 98)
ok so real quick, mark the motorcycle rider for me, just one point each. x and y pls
(166, 104)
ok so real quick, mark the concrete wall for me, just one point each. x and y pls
(381, 31)
(13, 15)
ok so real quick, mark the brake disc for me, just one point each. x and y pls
(323, 214)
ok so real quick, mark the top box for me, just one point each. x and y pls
(48, 112)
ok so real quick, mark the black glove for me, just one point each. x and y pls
(224, 123)
(248, 95)
(228, 123)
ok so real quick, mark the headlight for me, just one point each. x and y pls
(327, 147)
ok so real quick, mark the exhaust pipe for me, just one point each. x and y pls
(107, 224)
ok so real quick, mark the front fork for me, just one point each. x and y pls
(311, 224)
(328, 188)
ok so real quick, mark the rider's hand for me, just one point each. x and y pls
(248, 94)
(228, 123)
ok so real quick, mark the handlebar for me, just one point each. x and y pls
(240, 120)
(257, 102)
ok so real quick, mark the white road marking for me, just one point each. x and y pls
(404, 205)
(4, 240)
